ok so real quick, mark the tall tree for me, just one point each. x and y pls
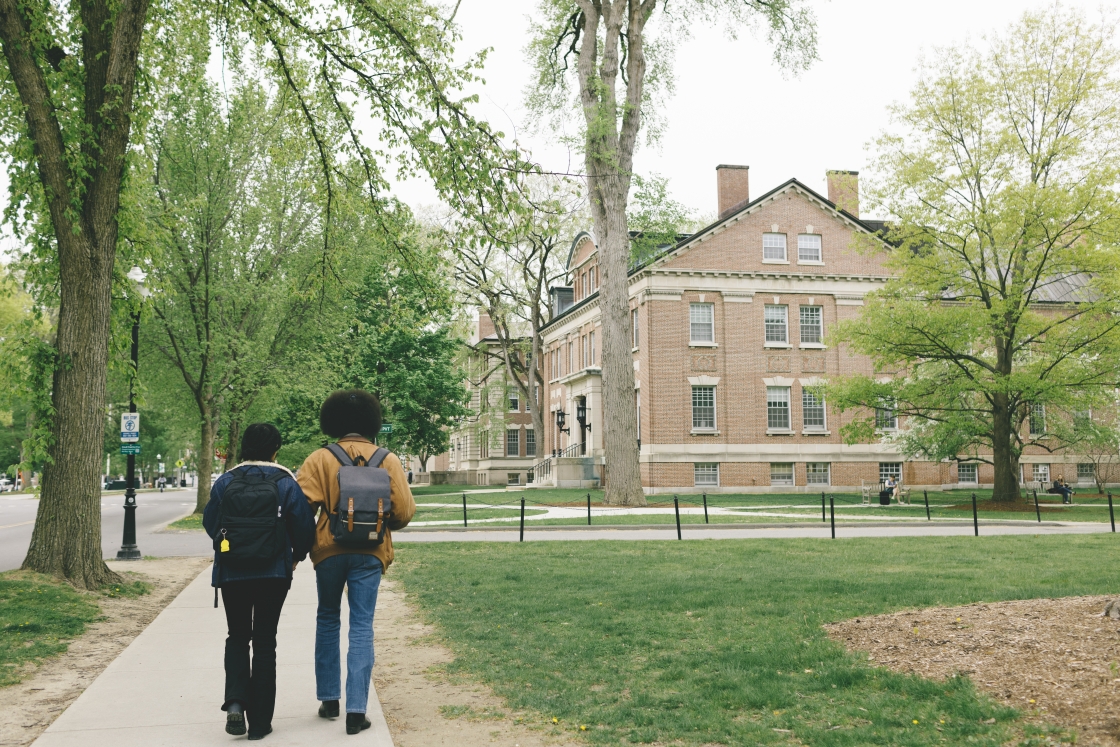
(67, 116)
(1002, 178)
(236, 224)
(622, 62)
(507, 271)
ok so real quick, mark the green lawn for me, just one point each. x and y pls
(427, 513)
(194, 521)
(38, 617)
(720, 642)
(418, 490)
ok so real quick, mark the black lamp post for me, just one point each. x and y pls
(560, 417)
(129, 550)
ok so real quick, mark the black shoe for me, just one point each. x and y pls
(356, 722)
(260, 734)
(235, 720)
(328, 709)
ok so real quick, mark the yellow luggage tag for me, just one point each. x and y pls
(225, 545)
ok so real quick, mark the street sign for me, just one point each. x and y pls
(130, 427)
(162, 467)
(387, 428)
(180, 463)
(130, 449)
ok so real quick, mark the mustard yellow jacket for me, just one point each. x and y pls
(318, 477)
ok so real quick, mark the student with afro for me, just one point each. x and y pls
(351, 417)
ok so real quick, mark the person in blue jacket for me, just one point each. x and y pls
(253, 598)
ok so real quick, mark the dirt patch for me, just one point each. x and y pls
(422, 706)
(28, 708)
(1057, 660)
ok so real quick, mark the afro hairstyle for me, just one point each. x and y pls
(351, 411)
(260, 442)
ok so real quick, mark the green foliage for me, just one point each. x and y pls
(38, 617)
(720, 642)
(656, 220)
(1006, 243)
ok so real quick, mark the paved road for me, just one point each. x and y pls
(154, 510)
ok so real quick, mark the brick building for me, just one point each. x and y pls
(727, 342)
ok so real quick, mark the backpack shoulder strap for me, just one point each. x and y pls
(340, 454)
(378, 457)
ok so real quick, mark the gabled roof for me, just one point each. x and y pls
(579, 239)
(874, 228)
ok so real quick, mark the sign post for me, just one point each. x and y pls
(130, 446)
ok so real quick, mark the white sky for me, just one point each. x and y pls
(732, 103)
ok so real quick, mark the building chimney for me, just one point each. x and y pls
(843, 190)
(732, 184)
(485, 325)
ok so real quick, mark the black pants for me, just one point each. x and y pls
(252, 613)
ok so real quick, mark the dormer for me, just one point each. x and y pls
(583, 267)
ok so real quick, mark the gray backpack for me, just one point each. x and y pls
(364, 500)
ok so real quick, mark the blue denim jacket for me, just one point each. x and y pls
(300, 521)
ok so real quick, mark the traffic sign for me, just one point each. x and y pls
(130, 448)
(387, 428)
(130, 427)
(180, 463)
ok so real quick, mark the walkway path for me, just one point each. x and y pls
(717, 531)
(165, 689)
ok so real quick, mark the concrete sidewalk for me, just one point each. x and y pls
(166, 687)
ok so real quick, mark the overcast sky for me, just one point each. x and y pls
(733, 105)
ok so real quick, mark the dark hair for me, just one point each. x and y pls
(351, 411)
(260, 442)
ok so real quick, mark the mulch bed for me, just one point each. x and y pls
(1057, 660)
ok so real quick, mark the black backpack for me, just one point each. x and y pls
(251, 532)
(364, 500)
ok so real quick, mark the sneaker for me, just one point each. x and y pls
(235, 720)
(328, 709)
(356, 722)
(260, 734)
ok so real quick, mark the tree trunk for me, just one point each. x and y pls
(1004, 458)
(66, 541)
(205, 458)
(233, 442)
(620, 427)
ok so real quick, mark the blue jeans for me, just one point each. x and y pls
(361, 575)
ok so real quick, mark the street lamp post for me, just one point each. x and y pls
(129, 550)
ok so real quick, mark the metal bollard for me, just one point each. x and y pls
(589, 509)
(925, 494)
(832, 513)
(677, 511)
(705, 507)
(1037, 510)
(822, 506)
(464, 509)
(522, 539)
(1111, 516)
(975, 521)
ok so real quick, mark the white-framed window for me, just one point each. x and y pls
(530, 442)
(513, 442)
(571, 355)
(774, 246)
(513, 478)
(890, 469)
(514, 401)
(594, 274)
(886, 419)
(586, 360)
(1086, 472)
(817, 473)
(777, 408)
(776, 321)
(1038, 420)
(556, 363)
(634, 327)
(1040, 473)
(591, 342)
(808, 247)
(812, 324)
(701, 322)
(706, 474)
(812, 411)
(704, 408)
(781, 473)
(967, 473)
